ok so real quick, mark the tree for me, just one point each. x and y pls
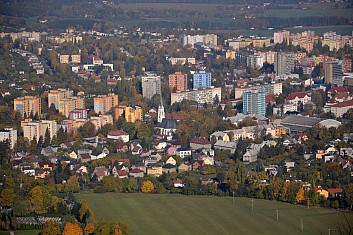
(89, 229)
(349, 195)
(6, 198)
(46, 138)
(300, 195)
(39, 200)
(147, 186)
(72, 184)
(87, 130)
(72, 229)
(85, 213)
(50, 227)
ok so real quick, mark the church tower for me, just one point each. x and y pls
(161, 113)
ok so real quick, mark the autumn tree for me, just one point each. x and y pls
(50, 227)
(39, 200)
(89, 229)
(349, 195)
(72, 184)
(147, 186)
(300, 195)
(72, 229)
(6, 198)
(85, 213)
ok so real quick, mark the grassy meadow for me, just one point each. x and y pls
(180, 214)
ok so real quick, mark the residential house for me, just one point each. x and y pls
(82, 170)
(199, 143)
(121, 147)
(178, 183)
(170, 160)
(46, 165)
(155, 171)
(136, 173)
(335, 192)
(122, 174)
(171, 151)
(219, 135)
(168, 168)
(322, 192)
(72, 155)
(135, 148)
(298, 98)
(98, 155)
(184, 167)
(224, 145)
(251, 153)
(100, 172)
(183, 152)
(41, 174)
(118, 135)
(122, 161)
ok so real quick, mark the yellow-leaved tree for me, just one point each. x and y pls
(147, 186)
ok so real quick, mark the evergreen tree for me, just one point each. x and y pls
(46, 138)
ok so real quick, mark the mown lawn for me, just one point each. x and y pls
(179, 214)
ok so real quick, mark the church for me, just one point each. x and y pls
(164, 128)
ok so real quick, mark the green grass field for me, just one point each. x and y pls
(179, 214)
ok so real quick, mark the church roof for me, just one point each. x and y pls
(167, 124)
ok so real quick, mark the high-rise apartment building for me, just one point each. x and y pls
(151, 85)
(272, 88)
(200, 96)
(28, 105)
(201, 80)
(279, 37)
(32, 129)
(333, 72)
(179, 81)
(9, 134)
(54, 96)
(131, 114)
(254, 103)
(104, 103)
(284, 63)
(66, 105)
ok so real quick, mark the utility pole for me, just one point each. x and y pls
(233, 196)
(277, 214)
(252, 204)
(308, 203)
(329, 231)
(302, 225)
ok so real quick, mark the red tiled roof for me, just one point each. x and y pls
(120, 145)
(333, 191)
(337, 89)
(269, 99)
(122, 173)
(136, 171)
(344, 104)
(300, 95)
(200, 140)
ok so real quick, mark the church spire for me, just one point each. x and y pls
(161, 113)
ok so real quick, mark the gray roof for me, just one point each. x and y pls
(167, 124)
(297, 123)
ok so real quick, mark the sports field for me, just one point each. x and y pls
(179, 214)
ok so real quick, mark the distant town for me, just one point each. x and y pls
(193, 113)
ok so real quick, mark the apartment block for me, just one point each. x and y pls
(28, 105)
(181, 61)
(66, 105)
(201, 80)
(151, 85)
(9, 134)
(270, 88)
(54, 96)
(78, 114)
(179, 81)
(284, 63)
(131, 114)
(200, 96)
(33, 129)
(104, 103)
(254, 103)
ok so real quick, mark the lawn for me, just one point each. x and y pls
(179, 214)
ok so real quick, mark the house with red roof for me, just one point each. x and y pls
(136, 173)
(200, 143)
(341, 108)
(335, 192)
(295, 98)
(118, 135)
(335, 90)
